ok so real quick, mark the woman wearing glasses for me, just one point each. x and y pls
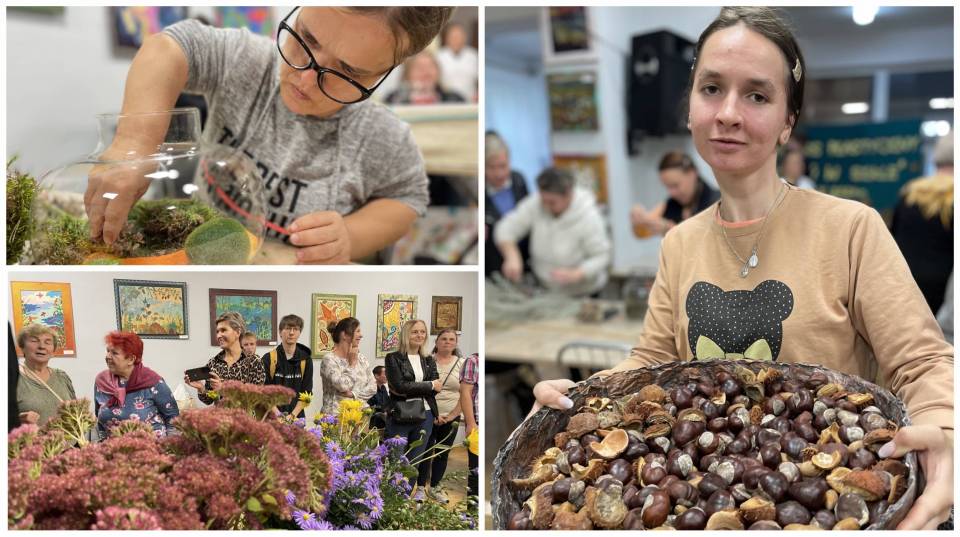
(343, 176)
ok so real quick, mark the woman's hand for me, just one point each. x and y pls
(322, 238)
(512, 268)
(195, 384)
(552, 393)
(30, 417)
(348, 394)
(935, 452)
(112, 189)
(437, 385)
(215, 381)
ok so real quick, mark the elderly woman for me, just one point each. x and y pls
(445, 426)
(346, 373)
(128, 390)
(41, 388)
(231, 363)
(421, 83)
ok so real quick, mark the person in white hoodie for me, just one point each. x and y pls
(569, 247)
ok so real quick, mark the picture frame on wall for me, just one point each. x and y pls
(573, 102)
(590, 172)
(446, 313)
(567, 38)
(258, 309)
(152, 309)
(327, 308)
(49, 304)
(392, 312)
(132, 25)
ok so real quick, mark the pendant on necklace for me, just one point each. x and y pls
(754, 260)
(744, 271)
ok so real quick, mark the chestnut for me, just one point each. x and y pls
(751, 476)
(720, 500)
(774, 406)
(561, 489)
(520, 520)
(806, 431)
(717, 425)
(862, 458)
(691, 519)
(707, 443)
(852, 506)
(792, 444)
(679, 464)
(655, 510)
(870, 421)
(770, 455)
(683, 493)
(811, 493)
(710, 410)
(633, 520)
(738, 447)
(730, 387)
(682, 397)
(576, 455)
(652, 474)
(706, 389)
(685, 431)
(630, 496)
(765, 436)
(792, 512)
(824, 519)
(621, 470)
(832, 447)
(765, 525)
(850, 434)
(774, 484)
(635, 449)
(711, 483)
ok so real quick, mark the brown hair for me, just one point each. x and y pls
(768, 23)
(248, 335)
(347, 325)
(413, 28)
(36, 330)
(456, 350)
(556, 181)
(234, 320)
(292, 320)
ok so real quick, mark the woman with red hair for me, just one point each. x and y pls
(128, 390)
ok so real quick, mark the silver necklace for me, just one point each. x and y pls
(754, 260)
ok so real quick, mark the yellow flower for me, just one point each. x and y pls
(351, 411)
(305, 397)
(472, 441)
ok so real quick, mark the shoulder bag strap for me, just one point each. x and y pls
(33, 376)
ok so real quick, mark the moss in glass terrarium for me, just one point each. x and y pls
(221, 241)
(21, 191)
(166, 223)
(61, 240)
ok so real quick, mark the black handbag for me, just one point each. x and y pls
(408, 411)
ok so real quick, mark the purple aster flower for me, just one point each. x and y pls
(291, 499)
(396, 441)
(304, 519)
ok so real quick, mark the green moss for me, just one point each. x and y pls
(165, 224)
(221, 241)
(21, 192)
(61, 240)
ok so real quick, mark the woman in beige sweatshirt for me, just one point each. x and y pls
(773, 272)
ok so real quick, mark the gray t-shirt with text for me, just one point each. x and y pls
(308, 164)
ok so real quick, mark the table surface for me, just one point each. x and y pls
(539, 340)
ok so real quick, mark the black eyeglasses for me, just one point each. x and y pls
(338, 86)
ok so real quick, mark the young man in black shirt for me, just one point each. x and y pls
(291, 365)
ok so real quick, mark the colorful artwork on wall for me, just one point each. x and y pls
(392, 312)
(152, 310)
(258, 20)
(48, 304)
(589, 170)
(446, 313)
(573, 102)
(326, 309)
(134, 24)
(258, 309)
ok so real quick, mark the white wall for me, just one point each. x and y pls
(95, 315)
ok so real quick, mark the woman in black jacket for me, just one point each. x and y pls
(412, 376)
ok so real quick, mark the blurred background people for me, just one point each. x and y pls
(505, 188)
(422, 83)
(41, 388)
(923, 225)
(569, 247)
(458, 62)
(687, 191)
(793, 167)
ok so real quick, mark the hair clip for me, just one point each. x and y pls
(797, 71)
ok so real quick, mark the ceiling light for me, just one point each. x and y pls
(863, 14)
(941, 103)
(855, 108)
(935, 128)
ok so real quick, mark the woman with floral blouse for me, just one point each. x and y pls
(231, 363)
(128, 390)
(346, 373)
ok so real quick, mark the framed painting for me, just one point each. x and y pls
(48, 304)
(590, 171)
(573, 102)
(568, 38)
(257, 19)
(258, 309)
(392, 312)
(152, 310)
(446, 313)
(326, 309)
(134, 24)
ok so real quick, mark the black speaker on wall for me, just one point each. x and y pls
(659, 70)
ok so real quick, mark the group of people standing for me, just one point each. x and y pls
(129, 390)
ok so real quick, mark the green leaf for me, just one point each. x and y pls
(254, 505)
(708, 350)
(268, 499)
(759, 350)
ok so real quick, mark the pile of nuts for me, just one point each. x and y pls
(720, 451)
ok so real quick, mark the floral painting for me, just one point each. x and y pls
(392, 311)
(152, 310)
(325, 310)
(48, 304)
(258, 309)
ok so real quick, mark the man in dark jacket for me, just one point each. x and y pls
(504, 190)
(380, 399)
(291, 365)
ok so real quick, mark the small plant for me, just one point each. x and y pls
(165, 224)
(61, 240)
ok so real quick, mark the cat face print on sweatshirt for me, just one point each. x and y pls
(737, 324)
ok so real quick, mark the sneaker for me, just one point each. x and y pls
(439, 495)
(419, 496)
